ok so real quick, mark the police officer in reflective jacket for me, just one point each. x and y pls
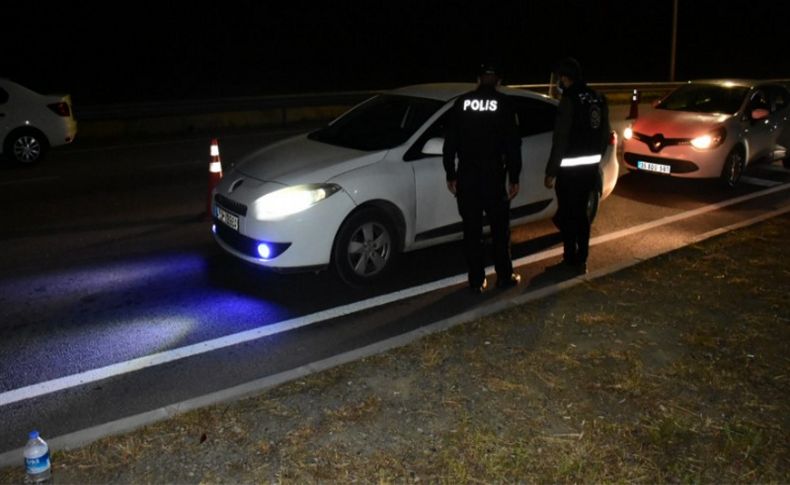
(580, 138)
(482, 133)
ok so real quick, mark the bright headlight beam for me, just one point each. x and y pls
(711, 139)
(291, 200)
(702, 142)
(628, 133)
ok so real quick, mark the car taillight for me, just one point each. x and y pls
(61, 108)
(613, 138)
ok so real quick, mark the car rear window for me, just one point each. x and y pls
(705, 98)
(380, 123)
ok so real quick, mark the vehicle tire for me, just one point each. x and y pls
(733, 168)
(365, 247)
(26, 146)
(592, 205)
(786, 162)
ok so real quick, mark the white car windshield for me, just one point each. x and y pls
(382, 122)
(705, 98)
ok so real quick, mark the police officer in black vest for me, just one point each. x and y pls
(581, 134)
(482, 133)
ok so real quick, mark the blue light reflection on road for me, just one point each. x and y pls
(82, 318)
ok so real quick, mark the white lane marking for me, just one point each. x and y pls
(29, 181)
(760, 182)
(93, 375)
(86, 436)
(685, 215)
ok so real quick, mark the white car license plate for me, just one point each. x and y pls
(228, 219)
(652, 167)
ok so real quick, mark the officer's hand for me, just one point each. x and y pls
(549, 182)
(451, 186)
(513, 191)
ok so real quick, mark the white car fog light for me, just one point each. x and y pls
(264, 251)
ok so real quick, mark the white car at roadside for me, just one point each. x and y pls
(31, 123)
(371, 184)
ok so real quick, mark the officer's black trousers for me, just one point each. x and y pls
(473, 202)
(574, 187)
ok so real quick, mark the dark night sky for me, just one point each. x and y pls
(114, 52)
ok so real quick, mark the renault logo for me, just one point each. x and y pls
(656, 143)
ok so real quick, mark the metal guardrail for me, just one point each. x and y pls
(206, 106)
(127, 111)
(263, 103)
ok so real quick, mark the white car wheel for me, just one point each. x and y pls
(733, 168)
(26, 147)
(364, 247)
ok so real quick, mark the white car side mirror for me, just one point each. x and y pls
(434, 146)
(760, 114)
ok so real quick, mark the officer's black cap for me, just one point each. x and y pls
(569, 67)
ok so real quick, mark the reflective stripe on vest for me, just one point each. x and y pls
(576, 161)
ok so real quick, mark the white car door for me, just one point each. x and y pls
(437, 211)
(536, 123)
(759, 133)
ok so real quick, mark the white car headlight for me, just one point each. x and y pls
(709, 140)
(290, 200)
(628, 133)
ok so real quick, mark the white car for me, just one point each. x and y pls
(371, 184)
(708, 129)
(31, 123)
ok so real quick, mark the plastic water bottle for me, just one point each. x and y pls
(37, 463)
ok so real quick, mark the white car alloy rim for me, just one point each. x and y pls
(369, 249)
(27, 148)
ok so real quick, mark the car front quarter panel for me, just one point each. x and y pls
(390, 181)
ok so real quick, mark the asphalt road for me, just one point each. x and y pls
(115, 301)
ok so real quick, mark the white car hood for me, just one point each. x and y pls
(677, 124)
(299, 160)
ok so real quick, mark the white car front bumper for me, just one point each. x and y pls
(300, 241)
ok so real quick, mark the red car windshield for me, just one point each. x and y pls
(705, 98)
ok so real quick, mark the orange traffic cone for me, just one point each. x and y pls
(634, 111)
(214, 172)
